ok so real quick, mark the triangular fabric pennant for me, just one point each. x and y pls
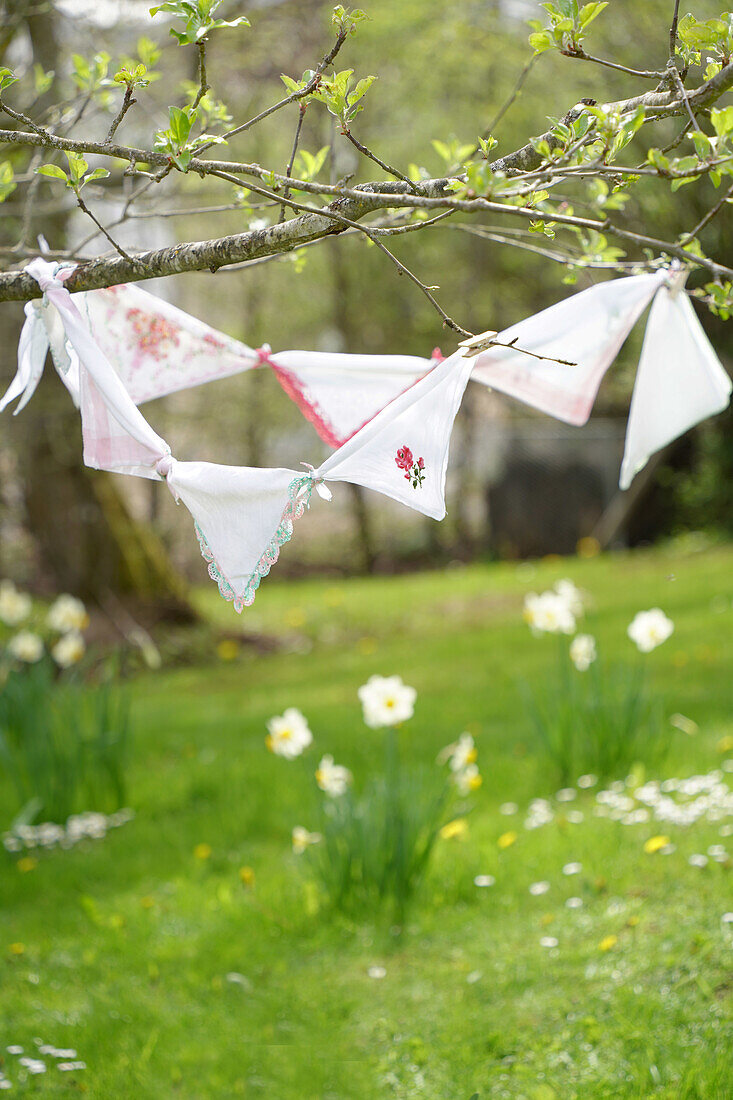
(339, 393)
(403, 451)
(116, 434)
(243, 516)
(32, 350)
(587, 329)
(156, 348)
(679, 382)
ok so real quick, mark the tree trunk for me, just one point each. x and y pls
(86, 540)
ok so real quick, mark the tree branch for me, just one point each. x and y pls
(350, 207)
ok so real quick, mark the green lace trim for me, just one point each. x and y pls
(299, 494)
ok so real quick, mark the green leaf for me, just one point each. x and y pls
(53, 171)
(97, 174)
(6, 78)
(541, 41)
(722, 120)
(291, 85)
(77, 166)
(7, 181)
(180, 124)
(589, 12)
(42, 81)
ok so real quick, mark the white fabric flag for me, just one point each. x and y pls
(156, 348)
(679, 382)
(242, 517)
(403, 451)
(116, 434)
(587, 329)
(340, 393)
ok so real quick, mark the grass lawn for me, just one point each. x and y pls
(172, 977)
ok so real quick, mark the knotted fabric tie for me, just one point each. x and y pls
(263, 356)
(163, 467)
(318, 483)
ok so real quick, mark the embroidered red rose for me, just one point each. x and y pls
(404, 458)
(414, 470)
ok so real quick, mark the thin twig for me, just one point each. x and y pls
(708, 217)
(382, 164)
(673, 31)
(20, 117)
(204, 85)
(644, 74)
(289, 170)
(681, 89)
(83, 206)
(127, 102)
(512, 96)
(292, 98)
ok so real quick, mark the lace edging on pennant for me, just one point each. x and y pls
(299, 494)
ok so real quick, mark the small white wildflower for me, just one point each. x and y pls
(15, 1050)
(473, 977)
(718, 853)
(508, 809)
(583, 651)
(386, 701)
(574, 903)
(460, 754)
(572, 868)
(572, 595)
(698, 860)
(548, 941)
(575, 817)
(26, 647)
(67, 613)
(15, 606)
(484, 880)
(586, 781)
(650, 629)
(566, 794)
(288, 734)
(69, 649)
(68, 1067)
(727, 918)
(548, 613)
(468, 780)
(302, 839)
(332, 778)
(538, 888)
(377, 972)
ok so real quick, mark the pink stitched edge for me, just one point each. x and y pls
(310, 409)
(293, 387)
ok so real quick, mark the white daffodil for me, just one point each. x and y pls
(288, 734)
(386, 701)
(548, 613)
(26, 647)
(468, 779)
(302, 839)
(460, 754)
(69, 649)
(649, 629)
(572, 595)
(583, 651)
(15, 606)
(67, 613)
(332, 778)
